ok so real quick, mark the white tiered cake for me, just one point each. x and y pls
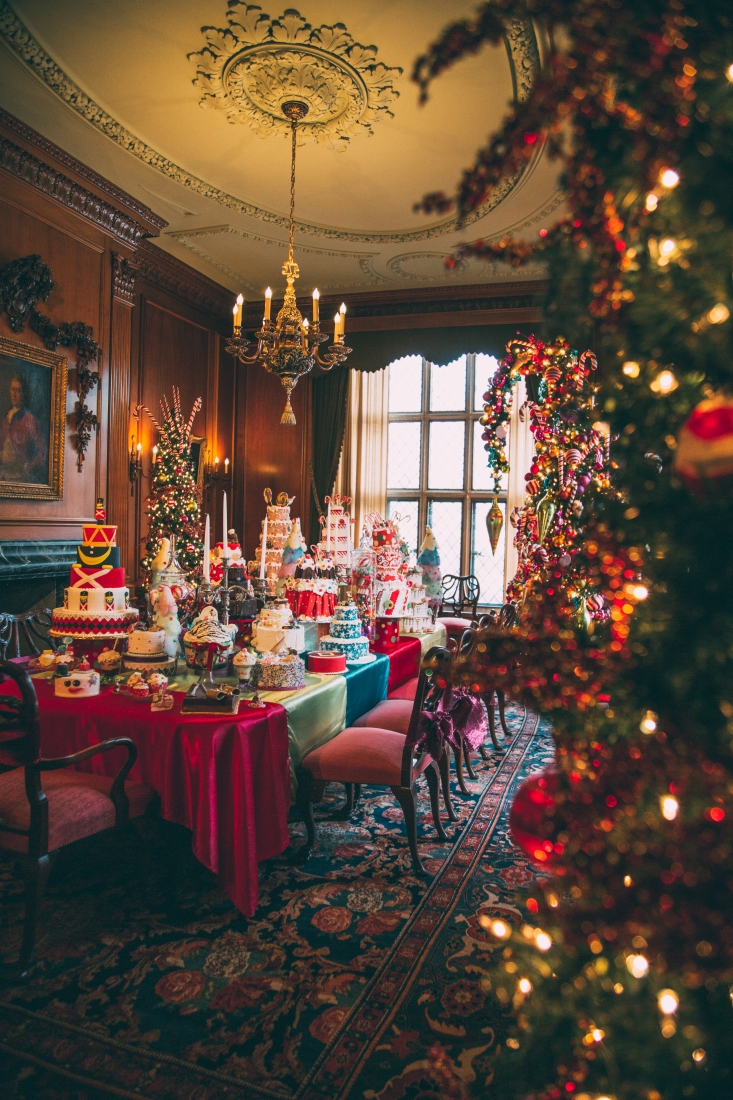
(279, 526)
(97, 602)
(345, 636)
(336, 532)
(417, 619)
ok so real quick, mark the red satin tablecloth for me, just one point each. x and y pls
(226, 778)
(404, 661)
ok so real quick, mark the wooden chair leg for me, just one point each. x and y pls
(444, 768)
(484, 754)
(489, 704)
(407, 798)
(458, 758)
(467, 757)
(357, 792)
(36, 876)
(432, 775)
(310, 790)
(502, 718)
(345, 812)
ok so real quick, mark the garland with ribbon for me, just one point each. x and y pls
(571, 464)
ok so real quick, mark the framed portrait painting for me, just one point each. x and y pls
(33, 385)
(198, 458)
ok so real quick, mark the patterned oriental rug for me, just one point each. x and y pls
(150, 985)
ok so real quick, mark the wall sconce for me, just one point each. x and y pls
(213, 472)
(136, 471)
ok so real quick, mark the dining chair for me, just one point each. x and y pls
(39, 816)
(31, 626)
(378, 756)
(459, 602)
(502, 620)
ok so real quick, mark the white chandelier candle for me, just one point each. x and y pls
(289, 347)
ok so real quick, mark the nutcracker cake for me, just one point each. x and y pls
(345, 636)
(97, 602)
(276, 528)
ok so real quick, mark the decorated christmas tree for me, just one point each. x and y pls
(174, 504)
(616, 976)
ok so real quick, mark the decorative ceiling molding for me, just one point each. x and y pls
(520, 46)
(60, 156)
(188, 238)
(171, 274)
(22, 164)
(395, 266)
(250, 68)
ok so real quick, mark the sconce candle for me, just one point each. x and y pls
(226, 467)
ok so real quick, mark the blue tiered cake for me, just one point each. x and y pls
(345, 636)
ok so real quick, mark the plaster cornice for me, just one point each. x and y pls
(522, 53)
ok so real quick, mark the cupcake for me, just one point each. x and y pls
(205, 629)
(157, 683)
(109, 661)
(244, 662)
(47, 659)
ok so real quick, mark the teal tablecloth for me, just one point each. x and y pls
(365, 687)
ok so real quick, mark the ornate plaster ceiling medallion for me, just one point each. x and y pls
(253, 66)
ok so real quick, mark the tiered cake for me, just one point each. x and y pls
(336, 532)
(96, 603)
(311, 593)
(345, 636)
(391, 583)
(417, 618)
(278, 529)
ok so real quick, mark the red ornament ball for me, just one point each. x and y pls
(533, 805)
(705, 446)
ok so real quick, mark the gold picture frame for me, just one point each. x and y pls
(33, 387)
(199, 447)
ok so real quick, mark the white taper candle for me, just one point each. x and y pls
(225, 545)
(263, 552)
(207, 550)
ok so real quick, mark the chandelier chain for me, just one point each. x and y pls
(294, 124)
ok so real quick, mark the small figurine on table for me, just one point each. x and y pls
(166, 618)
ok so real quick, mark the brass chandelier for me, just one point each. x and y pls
(289, 346)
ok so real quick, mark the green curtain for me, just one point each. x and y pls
(329, 395)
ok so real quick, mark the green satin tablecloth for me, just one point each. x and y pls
(438, 636)
(316, 713)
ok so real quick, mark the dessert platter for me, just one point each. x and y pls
(146, 651)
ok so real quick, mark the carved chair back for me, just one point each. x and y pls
(460, 596)
(31, 626)
(20, 726)
(426, 697)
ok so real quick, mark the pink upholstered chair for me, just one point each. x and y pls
(378, 756)
(37, 819)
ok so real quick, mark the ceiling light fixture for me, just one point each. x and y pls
(289, 346)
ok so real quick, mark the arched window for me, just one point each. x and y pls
(436, 470)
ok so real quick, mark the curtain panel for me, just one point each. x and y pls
(329, 397)
(362, 473)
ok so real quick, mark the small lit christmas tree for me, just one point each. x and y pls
(174, 504)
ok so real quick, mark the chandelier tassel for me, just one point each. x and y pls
(288, 416)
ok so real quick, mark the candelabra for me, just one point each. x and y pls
(213, 473)
(289, 346)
